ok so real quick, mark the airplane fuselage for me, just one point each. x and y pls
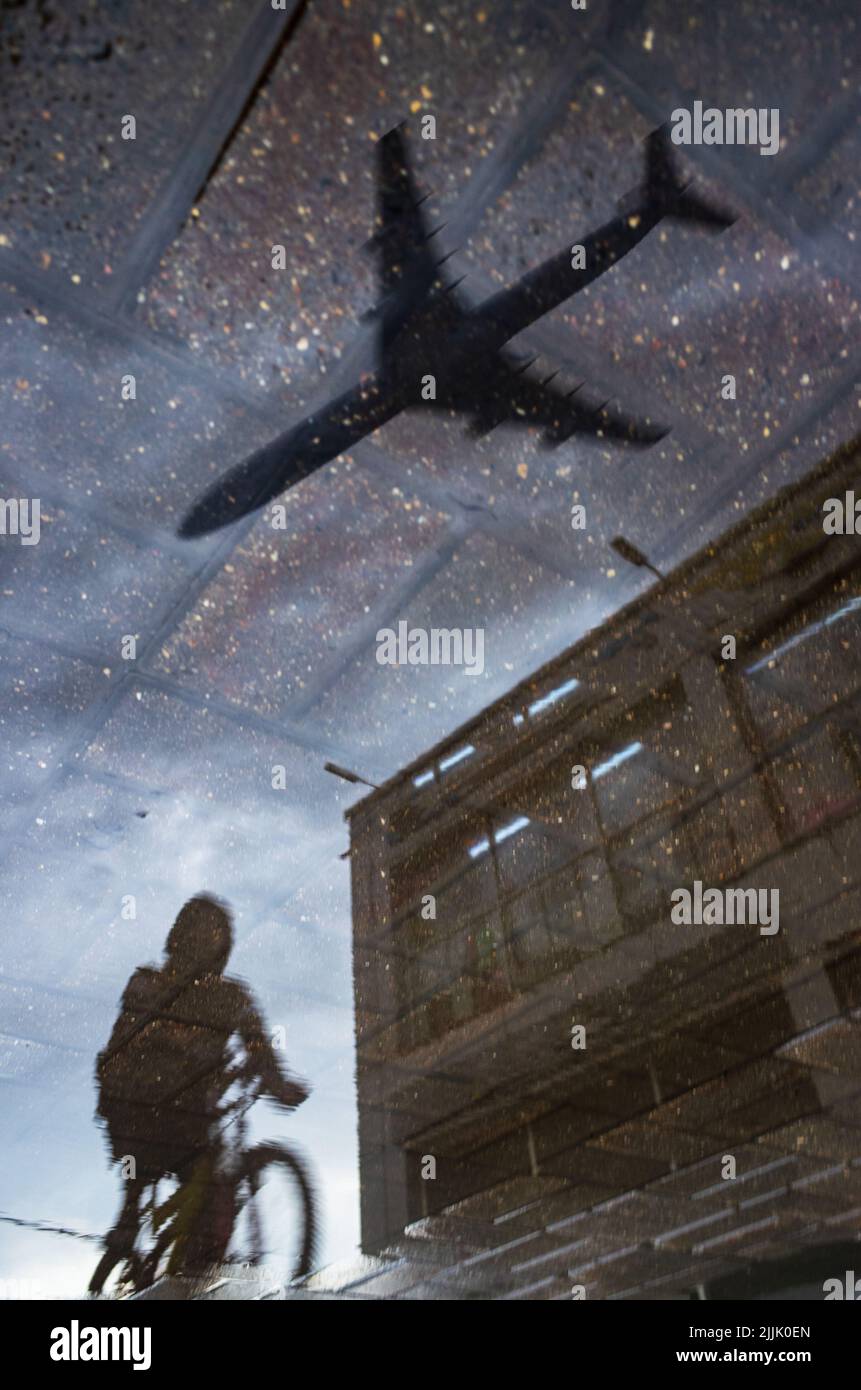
(507, 313)
(418, 349)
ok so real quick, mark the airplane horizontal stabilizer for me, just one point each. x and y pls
(667, 193)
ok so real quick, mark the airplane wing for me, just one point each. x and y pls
(505, 393)
(401, 237)
(409, 260)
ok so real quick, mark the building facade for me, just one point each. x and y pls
(560, 1086)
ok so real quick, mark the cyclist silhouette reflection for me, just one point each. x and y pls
(187, 1058)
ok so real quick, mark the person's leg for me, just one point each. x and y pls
(205, 1218)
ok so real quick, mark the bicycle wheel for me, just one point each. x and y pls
(119, 1274)
(272, 1156)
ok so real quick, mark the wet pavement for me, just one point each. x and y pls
(136, 775)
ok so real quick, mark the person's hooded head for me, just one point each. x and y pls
(201, 938)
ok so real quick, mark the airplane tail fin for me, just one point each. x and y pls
(667, 193)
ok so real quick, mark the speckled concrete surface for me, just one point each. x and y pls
(70, 74)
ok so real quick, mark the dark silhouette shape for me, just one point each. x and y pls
(187, 1058)
(425, 330)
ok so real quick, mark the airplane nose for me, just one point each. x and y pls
(199, 521)
(263, 475)
(246, 488)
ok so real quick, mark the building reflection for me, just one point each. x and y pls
(498, 905)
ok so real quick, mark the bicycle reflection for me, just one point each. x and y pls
(187, 1058)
